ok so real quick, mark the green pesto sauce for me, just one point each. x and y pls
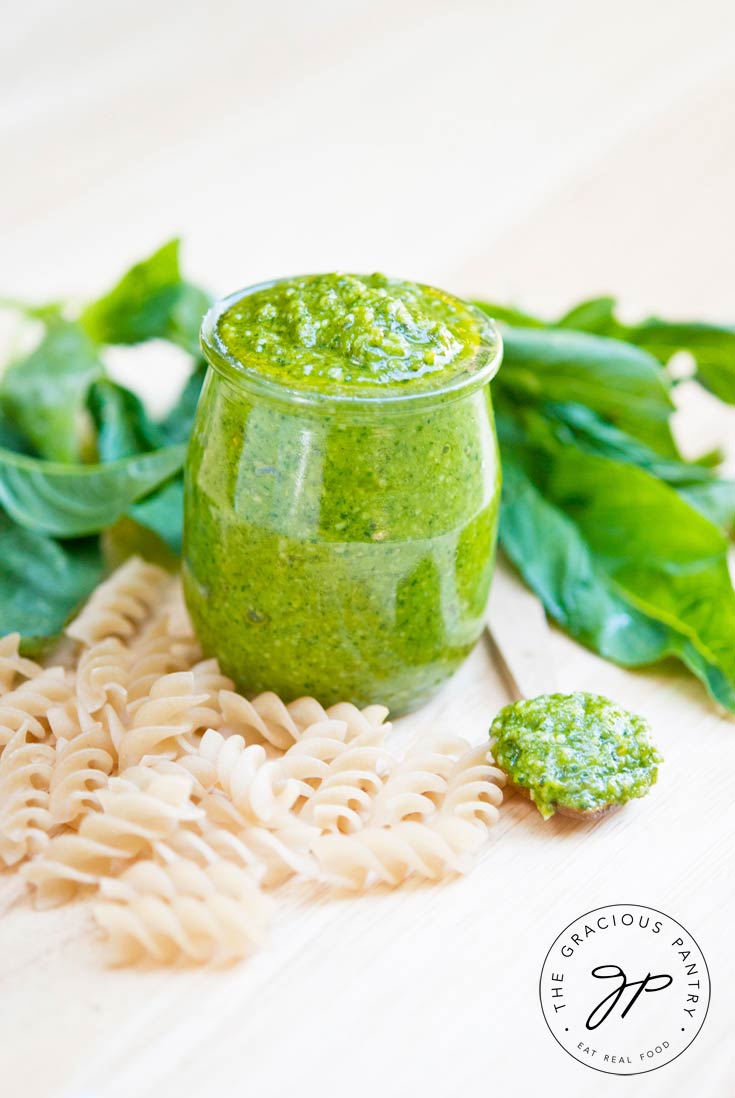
(340, 332)
(580, 751)
(338, 552)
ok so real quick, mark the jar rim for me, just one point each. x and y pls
(480, 369)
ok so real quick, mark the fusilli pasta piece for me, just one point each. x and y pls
(431, 849)
(343, 799)
(267, 719)
(416, 784)
(25, 774)
(173, 709)
(205, 843)
(119, 606)
(257, 786)
(474, 790)
(136, 809)
(309, 758)
(81, 767)
(156, 652)
(103, 675)
(12, 664)
(279, 851)
(29, 703)
(207, 913)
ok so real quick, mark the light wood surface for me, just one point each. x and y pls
(537, 152)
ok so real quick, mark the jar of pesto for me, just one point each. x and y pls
(342, 488)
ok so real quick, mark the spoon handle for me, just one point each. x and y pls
(520, 636)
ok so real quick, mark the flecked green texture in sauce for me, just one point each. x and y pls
(340, 552)
(341, 332)
(580, 751)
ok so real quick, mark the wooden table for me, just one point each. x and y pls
(531, 151)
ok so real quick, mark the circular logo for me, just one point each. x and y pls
(625, 989)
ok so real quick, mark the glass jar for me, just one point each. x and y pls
(340, 546)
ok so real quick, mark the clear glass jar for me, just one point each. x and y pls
(340, 546)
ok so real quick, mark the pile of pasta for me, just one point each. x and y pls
(134, 773)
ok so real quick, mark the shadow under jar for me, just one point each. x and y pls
(340, 525)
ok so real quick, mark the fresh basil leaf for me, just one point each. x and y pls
(73, 500)
(558, 563)
(668, 559)
(11, 438)
(49, 312)
(186, 318)
(42, 582)
(596, 316)
(123, 425)
(555, 560)
(151, 301)
(508, 314)
(589, 431)
(695, 481)
(163, 512)
(711, 346)
(44, 394)
(715, 499)
(624, 385)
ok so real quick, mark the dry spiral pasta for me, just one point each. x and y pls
(156, 652)
(81, 767)
(431, 849)
(121, 604)
(256, 785)
(25, 775)
(12, 664)
(103, 673)
(266, 719)
(415, 786)
(136, 809)
(143, 776)
(343, 799)
(28, 704)
(216, 912)
(175, 708)
(272, 855)
(474, 789)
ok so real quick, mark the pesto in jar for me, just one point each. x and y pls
(342, 488)
(577, 751)
(341, 333)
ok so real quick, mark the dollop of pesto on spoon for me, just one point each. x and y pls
(578, 754)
